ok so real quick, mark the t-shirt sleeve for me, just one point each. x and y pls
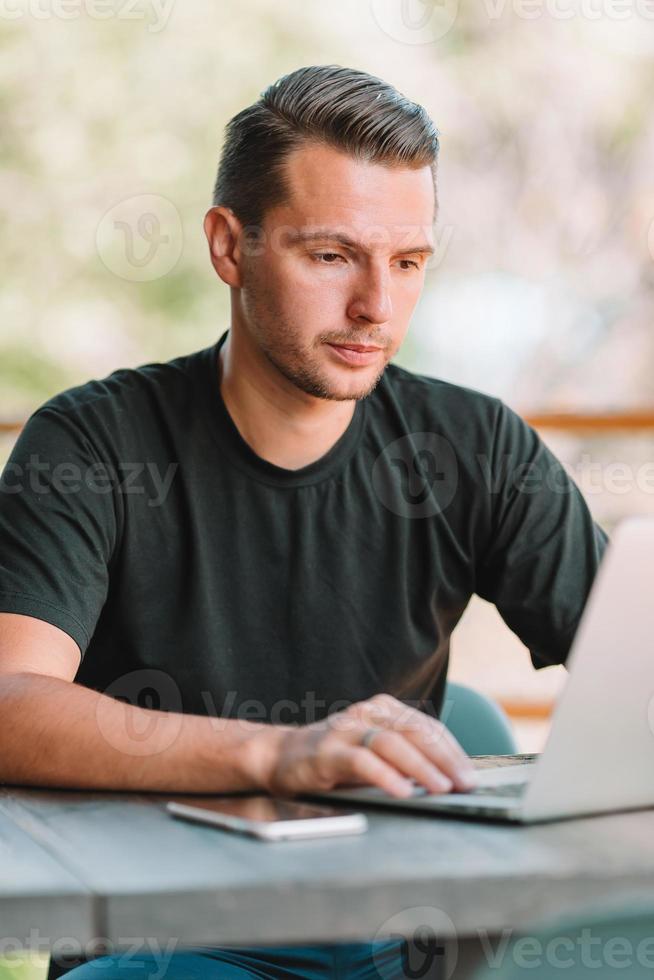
(57, 526)
(544, 547)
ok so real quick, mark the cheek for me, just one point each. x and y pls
(320, 292)
(289, 275)
(320, 278)
(405, 297)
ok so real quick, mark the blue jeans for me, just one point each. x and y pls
(386, 960)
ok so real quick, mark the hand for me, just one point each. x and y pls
(329, 753)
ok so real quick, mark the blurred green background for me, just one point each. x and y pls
(542, 291)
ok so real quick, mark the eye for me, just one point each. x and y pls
(409, 263)
(327, 258)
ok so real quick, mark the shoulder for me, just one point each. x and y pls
(120, 399)
(428, 400)
(126, 384)
(126, 413)
(481, 429)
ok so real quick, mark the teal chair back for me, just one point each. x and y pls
(477, 722)
(604, 945)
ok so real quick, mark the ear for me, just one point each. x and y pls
(223, 230)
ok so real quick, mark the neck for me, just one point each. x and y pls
(280, 423)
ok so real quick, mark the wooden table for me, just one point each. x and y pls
(108, 871)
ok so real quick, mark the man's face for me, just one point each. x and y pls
(342, 261)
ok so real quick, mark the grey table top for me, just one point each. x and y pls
(90, 865)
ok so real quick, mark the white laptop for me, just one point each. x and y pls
(599, 755)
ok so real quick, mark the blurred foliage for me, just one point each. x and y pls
(543, 293)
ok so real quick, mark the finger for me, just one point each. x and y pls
(395, 748)
(429, 735)
(441, 754)
(358, 764)
(445, 752)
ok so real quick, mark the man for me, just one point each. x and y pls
(256, 553)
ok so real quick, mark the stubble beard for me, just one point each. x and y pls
(276, 339)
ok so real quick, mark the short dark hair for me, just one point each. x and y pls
(340, 107)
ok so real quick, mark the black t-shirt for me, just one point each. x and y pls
(196, 576)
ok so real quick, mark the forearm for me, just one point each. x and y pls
(54, 732)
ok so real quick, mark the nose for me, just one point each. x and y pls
(371, 301)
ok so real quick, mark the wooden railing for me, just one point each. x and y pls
(637, 421)
(519, 709)
(587, 422)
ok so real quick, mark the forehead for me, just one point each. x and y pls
(329, 187)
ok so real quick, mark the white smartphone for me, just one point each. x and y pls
(268, 818)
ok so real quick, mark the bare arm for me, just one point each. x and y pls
(54, 732)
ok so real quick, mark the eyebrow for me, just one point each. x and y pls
(303, 237)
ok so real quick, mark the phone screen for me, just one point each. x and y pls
(261, 808)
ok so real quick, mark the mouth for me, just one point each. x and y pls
(355, 354)
(357, 347)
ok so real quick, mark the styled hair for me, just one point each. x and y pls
(340, 107)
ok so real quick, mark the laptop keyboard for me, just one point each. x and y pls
(506, 789)
(511, 790)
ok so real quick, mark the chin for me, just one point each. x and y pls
(354, 388)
